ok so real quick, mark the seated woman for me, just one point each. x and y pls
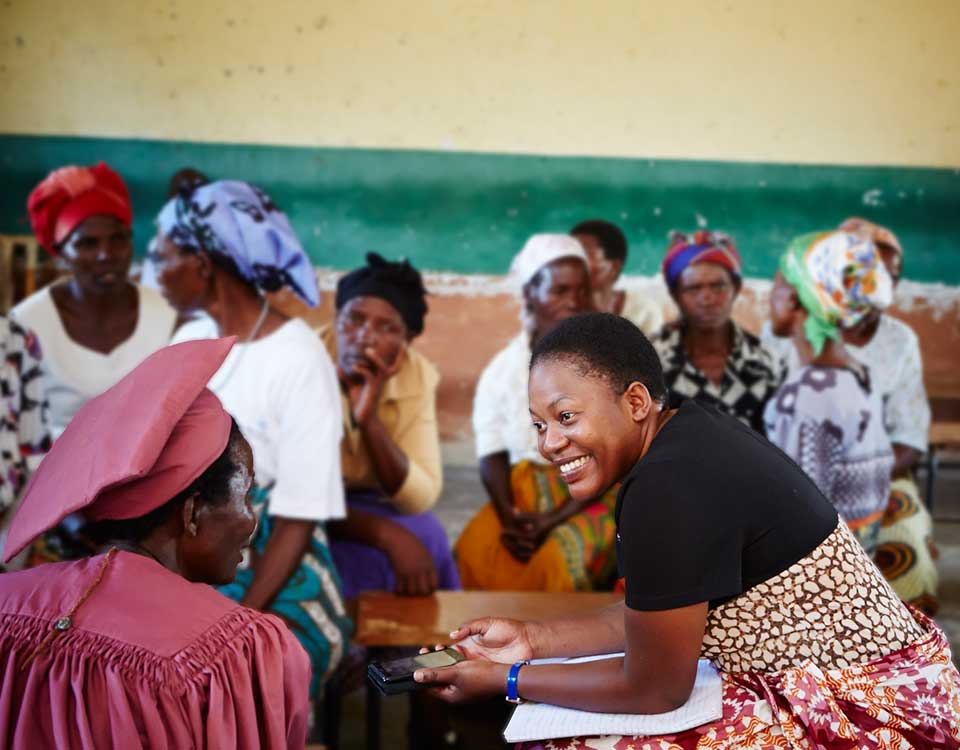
(889, 348)
(705, 354)
(606, 248)
(730, 553)
(132, 648)
(219, 249)
(828, 416)
(24, 437)
(390, 454)
(95, 325)
(532, 536)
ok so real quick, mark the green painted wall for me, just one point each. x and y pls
(469, 213)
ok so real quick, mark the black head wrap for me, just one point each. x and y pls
(398, 283)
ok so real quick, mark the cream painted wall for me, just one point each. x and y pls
(841, 81)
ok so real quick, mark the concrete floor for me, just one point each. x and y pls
(463, 495)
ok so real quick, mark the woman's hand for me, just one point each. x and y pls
(365, 384)
(412, 563)
(466, 681)
(494, 639)
(525, 533)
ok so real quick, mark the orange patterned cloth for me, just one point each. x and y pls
(579, 555)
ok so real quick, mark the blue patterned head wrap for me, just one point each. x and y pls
(238, 223)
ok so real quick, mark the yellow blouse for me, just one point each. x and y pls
(408, 412)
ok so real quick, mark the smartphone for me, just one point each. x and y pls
(396, 676)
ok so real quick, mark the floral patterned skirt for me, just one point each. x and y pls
(906, 700)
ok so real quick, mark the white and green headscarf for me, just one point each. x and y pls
(839, 278)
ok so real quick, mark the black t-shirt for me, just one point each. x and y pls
(711, 510)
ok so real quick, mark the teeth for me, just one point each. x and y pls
(573, 465)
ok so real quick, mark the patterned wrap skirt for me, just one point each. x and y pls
(907, 700)
(822, 655)
(310, 602)
(905, 551)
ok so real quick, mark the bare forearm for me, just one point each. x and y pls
(495, 473)
(281, 556)
(904, 459)
(602, 686)
(362, 527)
(390, 464)
(598, 632)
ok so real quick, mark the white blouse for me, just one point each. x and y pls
(501, 411)
(284, 393)
(72, 373)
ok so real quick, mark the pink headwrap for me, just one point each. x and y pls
(134, 447)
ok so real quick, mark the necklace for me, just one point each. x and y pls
(134, 547)
(225, 378)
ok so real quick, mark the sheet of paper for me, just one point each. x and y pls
(541, 721)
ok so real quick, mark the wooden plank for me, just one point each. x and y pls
(944, 433)
(385, 619)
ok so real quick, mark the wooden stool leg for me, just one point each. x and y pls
(373, 717)
(332, 711)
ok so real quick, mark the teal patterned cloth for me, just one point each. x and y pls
(310, 602)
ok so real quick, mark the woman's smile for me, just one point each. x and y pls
(572, 469)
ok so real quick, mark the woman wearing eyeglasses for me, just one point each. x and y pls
(705, 355)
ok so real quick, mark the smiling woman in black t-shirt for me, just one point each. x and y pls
(729, 553)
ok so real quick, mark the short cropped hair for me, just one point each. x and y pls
(610, 237)
(605, 346)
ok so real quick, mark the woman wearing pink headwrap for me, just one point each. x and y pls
(132, 648)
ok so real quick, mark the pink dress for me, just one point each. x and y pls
(148, 660)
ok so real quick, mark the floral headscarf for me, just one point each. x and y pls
(839, 278)
(240, 223)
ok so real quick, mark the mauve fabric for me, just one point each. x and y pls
(70, 195)
(151, 661)
(364, 568)
(132, 448)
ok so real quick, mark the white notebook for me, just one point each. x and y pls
(541, 721)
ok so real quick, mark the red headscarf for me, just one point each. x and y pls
(69, 195)
(132, 448)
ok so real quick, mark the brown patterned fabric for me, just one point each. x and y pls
(833, 608)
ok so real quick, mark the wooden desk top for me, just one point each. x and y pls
(385, 619)
(944, 433)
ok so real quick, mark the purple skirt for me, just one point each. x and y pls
(364, 568)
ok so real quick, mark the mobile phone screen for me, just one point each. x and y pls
(436, 659)
(403, 669)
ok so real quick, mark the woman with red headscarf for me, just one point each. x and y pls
(705, 355)
(132, 647)
(95, 325)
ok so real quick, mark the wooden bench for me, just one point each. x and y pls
(944, 432)
(385, 620)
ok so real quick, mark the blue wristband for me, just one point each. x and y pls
(512, 696)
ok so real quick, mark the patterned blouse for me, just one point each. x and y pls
(24, 437)
(750, 379)
(830, 421)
